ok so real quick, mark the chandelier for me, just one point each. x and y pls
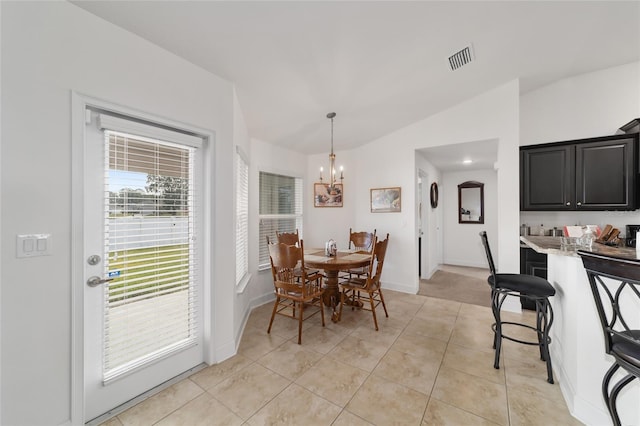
(332, 159)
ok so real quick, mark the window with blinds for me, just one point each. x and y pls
(150, 304)
(242, 216)
(280, 210)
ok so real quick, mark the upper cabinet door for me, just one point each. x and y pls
(605, 175)
(547, 178)
(587, 174)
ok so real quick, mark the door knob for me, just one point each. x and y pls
(568, 203)
(96, 281)
(579, 203)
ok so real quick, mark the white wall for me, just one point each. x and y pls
(559, 219)
(462, 244)
(48, 50)
(584, 106)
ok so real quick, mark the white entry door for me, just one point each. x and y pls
(143, 289)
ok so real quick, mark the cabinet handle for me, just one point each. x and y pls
(568, 203)
(579, 203)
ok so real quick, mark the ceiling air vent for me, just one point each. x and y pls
(461, 58)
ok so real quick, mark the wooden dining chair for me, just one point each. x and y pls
(293, 239)
(355, 287)
(289, 238)
(361, 242)
(294, 293)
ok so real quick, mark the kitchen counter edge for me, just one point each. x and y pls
(551, 245)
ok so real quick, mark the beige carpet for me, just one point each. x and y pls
(461, 288)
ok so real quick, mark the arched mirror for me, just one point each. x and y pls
(471, 202)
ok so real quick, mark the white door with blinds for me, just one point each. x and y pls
(142, 317)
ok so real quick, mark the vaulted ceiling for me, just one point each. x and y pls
(379, 65)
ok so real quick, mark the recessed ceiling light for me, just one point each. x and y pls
(467, 161)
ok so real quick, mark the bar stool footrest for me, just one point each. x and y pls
(524, 342)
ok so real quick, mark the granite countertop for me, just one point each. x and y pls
(551, 245)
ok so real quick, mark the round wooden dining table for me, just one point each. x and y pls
(342, 261)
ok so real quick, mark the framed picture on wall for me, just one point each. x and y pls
(386, 200)
(325, 195)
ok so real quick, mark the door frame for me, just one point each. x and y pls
(423, 219)
(79, 103)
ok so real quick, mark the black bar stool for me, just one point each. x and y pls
(532, 288)
(617, 299)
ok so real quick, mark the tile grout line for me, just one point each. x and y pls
(186, 402)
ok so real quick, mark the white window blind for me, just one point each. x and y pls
(280, 210)
(150, 216)
(242, 216)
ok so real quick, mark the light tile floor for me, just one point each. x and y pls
(431, 363)
(480, 273)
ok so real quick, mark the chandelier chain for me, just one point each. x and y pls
(332, 159)
(332, 135)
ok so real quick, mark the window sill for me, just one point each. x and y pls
(242, 285)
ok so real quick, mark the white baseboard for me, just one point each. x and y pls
(433, 271)
(465, 262)
(403, 288)
(225, 351)
(261, 300)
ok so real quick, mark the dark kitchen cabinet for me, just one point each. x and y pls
(547, 178)
(587, 174)
(532, 263)
(606, 175)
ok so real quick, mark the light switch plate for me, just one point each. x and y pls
(32, 245)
